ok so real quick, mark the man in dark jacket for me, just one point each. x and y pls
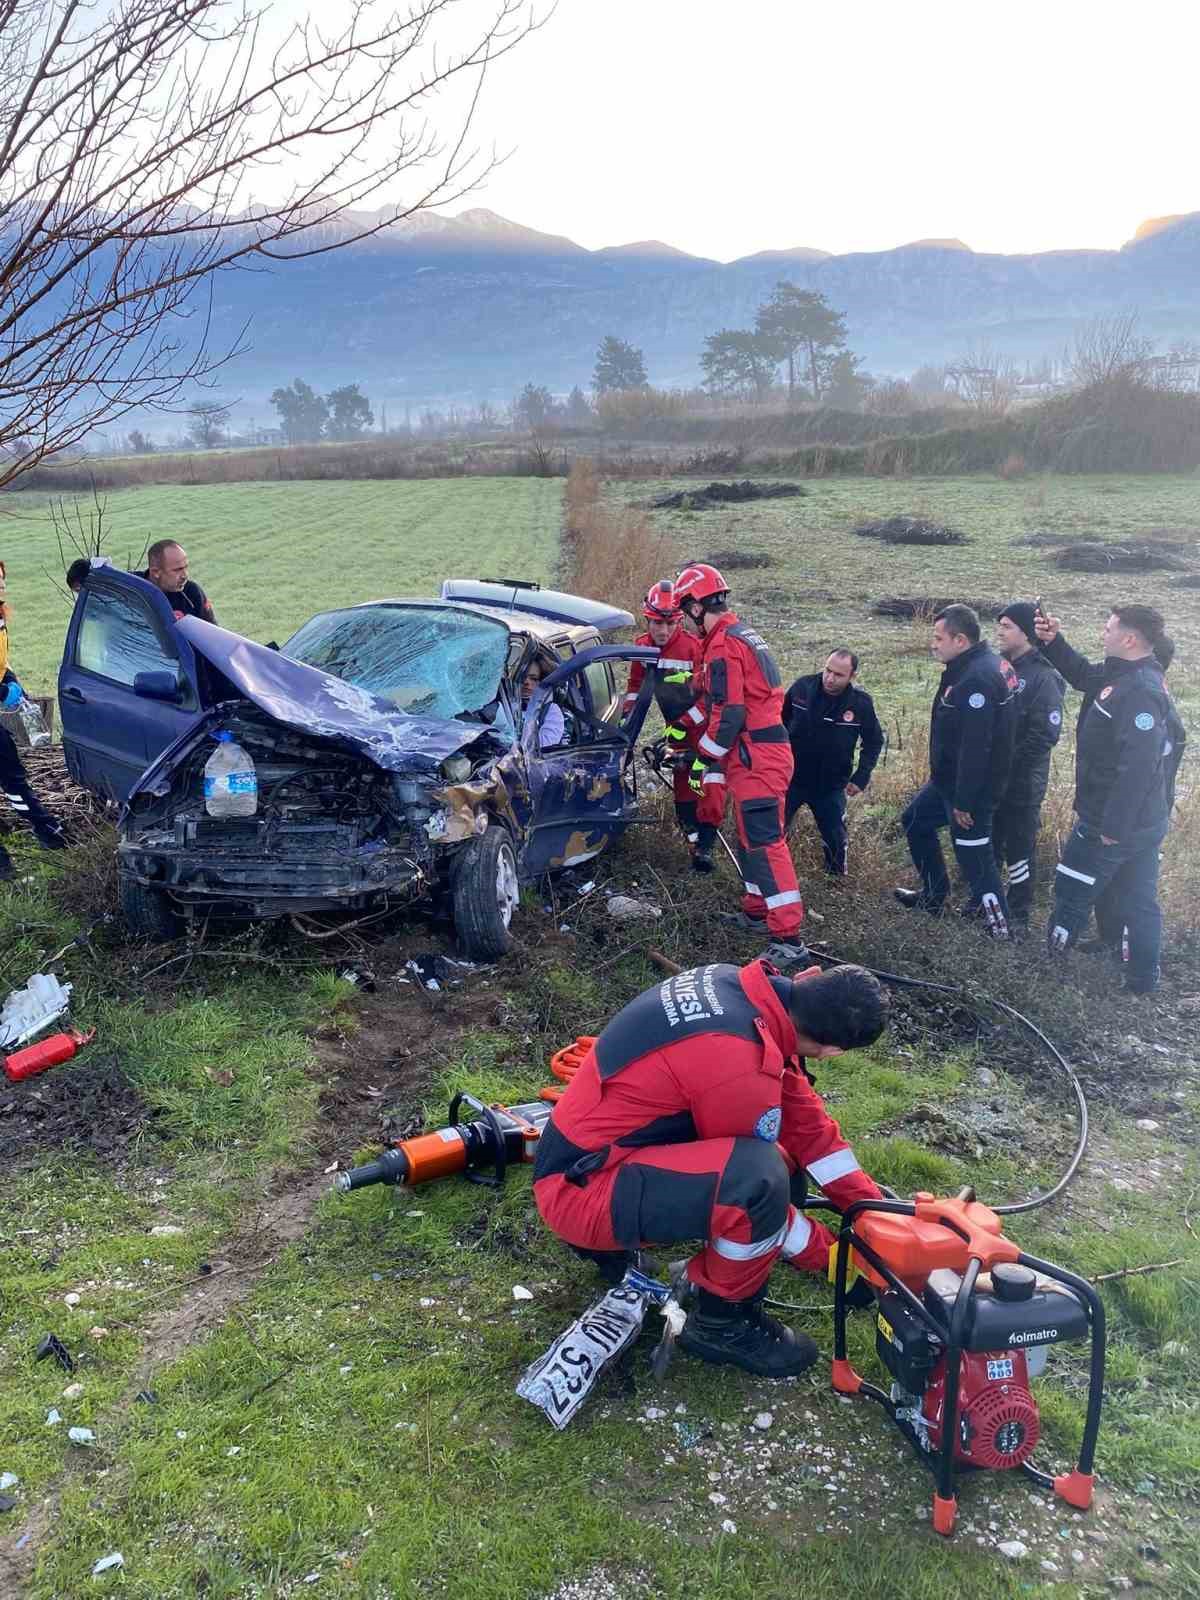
(828, 717)
(1128, 745)
(1039, 724)
(691, 1117)
(971, 731)
(167, 569)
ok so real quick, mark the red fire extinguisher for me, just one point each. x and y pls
(51, 1052)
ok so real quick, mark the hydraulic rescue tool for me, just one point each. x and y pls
(483, 1149)
(964, 1321)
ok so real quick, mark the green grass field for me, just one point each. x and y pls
(343, 1424)
(271, 555)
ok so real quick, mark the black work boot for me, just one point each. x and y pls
(739, 1333)
(702, 860)
(612, 1265)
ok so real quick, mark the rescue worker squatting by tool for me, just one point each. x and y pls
(744, 743)
(828, 718)
(674, 675)
(971, 728)
(1129, 742)
(693, 1117)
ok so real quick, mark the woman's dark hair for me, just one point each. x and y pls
(78, 571)
(846, 1006)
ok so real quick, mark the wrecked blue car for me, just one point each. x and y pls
(395, 754)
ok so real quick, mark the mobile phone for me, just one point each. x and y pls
(1037, 605)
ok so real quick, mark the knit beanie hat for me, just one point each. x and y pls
(1022, 613)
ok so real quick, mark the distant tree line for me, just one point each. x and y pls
(307, 417)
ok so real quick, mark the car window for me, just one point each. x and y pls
(600, 685)
(119, 637)
(430, 661)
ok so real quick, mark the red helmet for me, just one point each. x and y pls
(660, 604)
(699, 581)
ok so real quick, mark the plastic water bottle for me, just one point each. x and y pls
(33, 722)
(230, 780)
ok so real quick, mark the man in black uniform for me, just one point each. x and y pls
(827, 716)
(167, 569)
(971, 731)
(1128, 746)
(1039, 723)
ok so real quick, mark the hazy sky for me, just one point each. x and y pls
(725, 128)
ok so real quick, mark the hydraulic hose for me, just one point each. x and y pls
(899, 980)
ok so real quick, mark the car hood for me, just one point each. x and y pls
(316, 702)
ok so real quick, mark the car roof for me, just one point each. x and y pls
(544, 629)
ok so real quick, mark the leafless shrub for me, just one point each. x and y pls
(611, 552)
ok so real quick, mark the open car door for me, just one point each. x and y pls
(128, 684)
(583, 790)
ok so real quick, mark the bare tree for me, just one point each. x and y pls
(1105, 349)
(145, 145)
(984, 379)
(206, 423)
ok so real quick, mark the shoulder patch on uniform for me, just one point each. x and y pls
(976, 701)
(768, 1125)
(847, 716)
(1021, 684)
(1055, 718)
(1106, 691)
(1144, 721)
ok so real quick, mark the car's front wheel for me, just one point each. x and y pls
(148, 912)
(486, 892)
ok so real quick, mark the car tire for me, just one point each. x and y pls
(148, 913)
(486, 891)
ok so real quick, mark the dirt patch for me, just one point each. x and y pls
(1151, 555)
(908, 608)
(741, 560)
(725, 494)
(910, 530)
(86, 1106)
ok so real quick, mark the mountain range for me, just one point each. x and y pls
(444, 310)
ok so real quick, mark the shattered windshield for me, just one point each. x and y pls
(429, 661)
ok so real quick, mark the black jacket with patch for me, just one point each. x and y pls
(971, 730)
(1129, 741)
(1038, 726)
(825, 734)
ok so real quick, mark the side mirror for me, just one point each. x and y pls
(158, 686)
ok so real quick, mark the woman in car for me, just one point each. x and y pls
(553, 728)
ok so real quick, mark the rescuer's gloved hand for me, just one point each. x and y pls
(11, 694)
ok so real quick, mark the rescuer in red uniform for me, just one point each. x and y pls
(675, 692)
(745, 741)
(690, 1118)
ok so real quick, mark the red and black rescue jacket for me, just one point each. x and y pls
(742, 694)
(674, 672)
(705, 1055)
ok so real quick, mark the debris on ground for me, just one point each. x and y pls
(52, 1345)
(626, 909)
(7, 1502)
(86, 1105)
(107, 1563)
(725, 494)
(520, 1292)
(360, 977)
(53, 1417)
(910, 530)
(434, 971)
(81, 1436)
(1151, 555)
(27, 1011)
(8, 1480)
(908, 608)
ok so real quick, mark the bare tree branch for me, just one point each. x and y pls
(147, 145)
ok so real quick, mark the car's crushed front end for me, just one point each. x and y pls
(359, 805)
